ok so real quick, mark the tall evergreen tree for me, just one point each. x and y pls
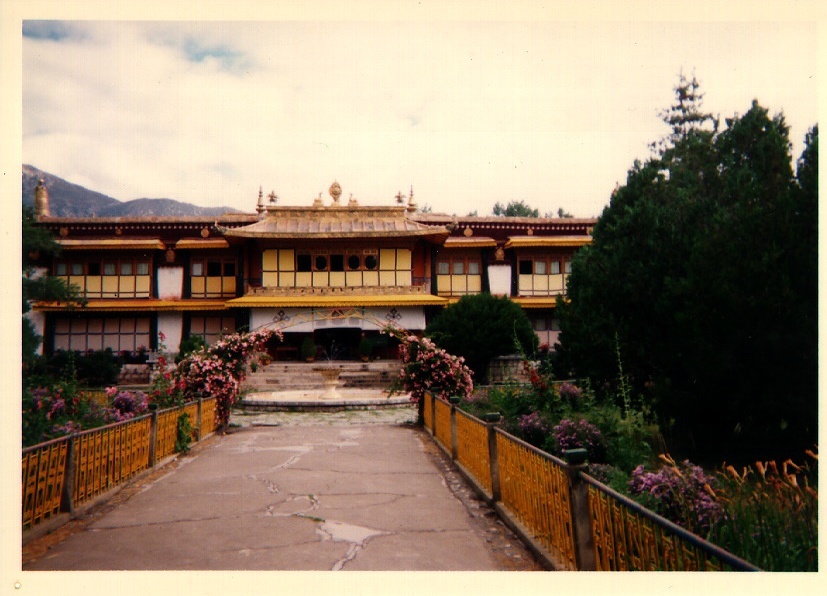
(700, 275)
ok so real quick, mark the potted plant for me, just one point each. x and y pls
(308, 349)
(365, 348)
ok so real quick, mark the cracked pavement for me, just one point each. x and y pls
(328, 496)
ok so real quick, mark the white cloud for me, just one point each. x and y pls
(469, 113)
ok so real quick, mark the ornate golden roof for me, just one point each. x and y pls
(317, 300)
(338, 222)
(472, 242)
(546, 241)
(111, 243)
(135, 304)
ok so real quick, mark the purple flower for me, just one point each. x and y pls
(570, 393)
(681, 493)
(580, 435)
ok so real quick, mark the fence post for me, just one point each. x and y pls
(67, 502)
(453, 401)
(580, 515)
(433, 413)
(490, 421)
(153, 435)
(198, 420)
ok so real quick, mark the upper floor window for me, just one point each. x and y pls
(542, 275)
(335, 261)
(543, 266)
(213, 277)
(123, 277)
(343, 267)
(213, 267)
(458, 275)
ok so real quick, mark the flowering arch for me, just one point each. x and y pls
(218, 370)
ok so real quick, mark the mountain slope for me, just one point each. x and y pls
(71, 200)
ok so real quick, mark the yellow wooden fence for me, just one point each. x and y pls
(61, 474)
(536, 490)
(44, 476)
(571, 520)
(472, 448)
(107, 456)
(442, 420)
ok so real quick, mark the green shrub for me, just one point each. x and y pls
(480, 327)
(189, 345)
(183, 434)
(98, 368)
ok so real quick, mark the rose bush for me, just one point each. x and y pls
(425, 367)
(218, 370)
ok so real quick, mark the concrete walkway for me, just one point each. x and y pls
(365, 493)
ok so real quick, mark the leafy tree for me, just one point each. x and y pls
(38, 244)
(515, 209)
(480, 327)
(702, 274)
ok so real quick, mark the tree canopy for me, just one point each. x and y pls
(38, 243)
(522, 209)
(702, 276)
(515, 209)
(480, 327)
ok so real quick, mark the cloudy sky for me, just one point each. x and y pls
(469, 113)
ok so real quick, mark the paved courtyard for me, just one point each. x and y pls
(354, 490)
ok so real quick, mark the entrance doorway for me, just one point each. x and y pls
(338, 343)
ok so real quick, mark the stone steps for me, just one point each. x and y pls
(296, 376)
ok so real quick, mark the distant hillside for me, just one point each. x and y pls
(71, 200)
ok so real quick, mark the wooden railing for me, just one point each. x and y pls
(69, 471)
(570, 520)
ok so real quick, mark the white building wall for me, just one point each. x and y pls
(305, 320)
(38, 320)
(499, 280)
(171, 324)
(170, 283)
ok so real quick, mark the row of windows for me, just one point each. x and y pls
(98, 333)
(289, 268)
(304, 261)
(226, 267)
(129, 333)
(213, 267)
(545, 323)
(458, 266)
(336, 262)
(212, 327)
(544, 266)
(105, 267)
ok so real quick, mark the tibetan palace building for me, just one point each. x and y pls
(334, 272)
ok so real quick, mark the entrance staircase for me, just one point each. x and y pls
(287, 376)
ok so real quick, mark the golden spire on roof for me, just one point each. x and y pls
(335, 191)
(260, 204)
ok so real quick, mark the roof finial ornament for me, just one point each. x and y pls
(335, 191)
(260, 204)
(400, 198)
(41, 200)
(411, 204)
(274, 198)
